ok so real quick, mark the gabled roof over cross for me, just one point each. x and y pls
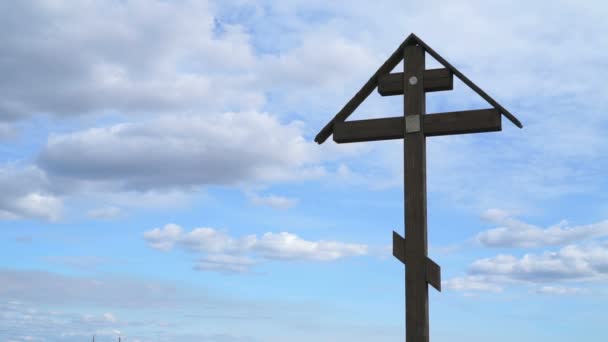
(385, 69)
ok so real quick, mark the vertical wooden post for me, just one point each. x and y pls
(416, 302)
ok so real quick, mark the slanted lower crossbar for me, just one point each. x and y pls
(433, 271)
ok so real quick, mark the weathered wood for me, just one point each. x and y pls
(434, 80)
(463, 122)
(433, 274)
(414, 127)
(398, 247)
(438, 80)
(364, 92)
(433, 271)
(468, 82)
(368, 130)
(416, 302)
(388, 65)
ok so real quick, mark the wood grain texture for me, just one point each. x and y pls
(416, 301)
(462, 122)
(368, 130)
(433, 271)
(434, 80)
(420, 270)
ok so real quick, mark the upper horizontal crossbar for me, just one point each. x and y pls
(434, 80)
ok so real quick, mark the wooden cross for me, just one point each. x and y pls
(414, 126)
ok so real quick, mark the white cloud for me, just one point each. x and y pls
(514, 158)
(289, 246)
(494, 215)
(185, 151)
(227, 253)
(570, 263)
(515, 233)
(156, 56)
(27, 194)
(159, 57)
(210, 240)
(164, 238)
(304, 67)
(39, 205)
(321, 66)
(586, 263)
(471, 283)
(274, 201)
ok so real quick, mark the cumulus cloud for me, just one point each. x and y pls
(471, 283)
(494, 215)
(194, 54)
(26, 193)
(207, 239)
(228, 254)
(35, 205)
(570, 263)
(291, 247)
(585, 263)
(164, 238)
(515, 233)
(157, 56)
(185, 151)
(196, 57)
(341, 58)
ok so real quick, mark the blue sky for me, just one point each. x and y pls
(160, 181)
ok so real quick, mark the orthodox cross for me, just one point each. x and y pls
(414, 126)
